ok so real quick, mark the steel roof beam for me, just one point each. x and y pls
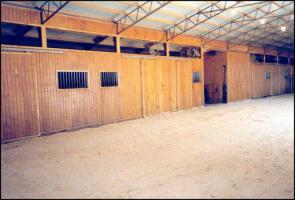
(243, 20)
(262, 41)
(198, 18)
(138, 14)
(258, 31)
(50, 8)
(276, 42)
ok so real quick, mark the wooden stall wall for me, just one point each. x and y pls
(169, 85)
(239, 80)
(184, 84)
(130, 88)
(260, 86)
(214, 76)
(275, 80)
(151, 75)
(19, 102)
(198, 88)
(33, 104)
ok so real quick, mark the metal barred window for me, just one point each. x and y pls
(72, 80)
(267, 75)
(108, 79)
(196, 77)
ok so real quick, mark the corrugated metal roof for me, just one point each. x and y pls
(174, 12)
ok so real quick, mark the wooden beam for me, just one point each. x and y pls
(43, 37)
(117, 44)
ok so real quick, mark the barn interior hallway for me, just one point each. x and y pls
(234, 150)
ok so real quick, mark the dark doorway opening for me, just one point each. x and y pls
(215, 77)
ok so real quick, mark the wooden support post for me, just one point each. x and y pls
(142, 88)
(177, 95)
(167, 49)
(203, 74)
(118, 45)
(43, 37)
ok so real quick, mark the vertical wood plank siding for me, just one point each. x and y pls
(32, 104)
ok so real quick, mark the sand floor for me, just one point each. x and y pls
(235, 150)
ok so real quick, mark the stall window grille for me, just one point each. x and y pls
(267, 75)
(72, 80)
(109, 79)
(196, 77)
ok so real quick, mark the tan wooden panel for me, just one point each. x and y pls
(130, 88)
(275, 80)
(238, 76)
(151, 86)
(184, 84)
(261, 87)
(198, 88)
(21, 15)
(168, 85)
(67, 108)
(19, 116)
(256, 50)
(270, 52)
(110, 96)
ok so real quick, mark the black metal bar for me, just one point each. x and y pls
(123, 26)
(45, 12)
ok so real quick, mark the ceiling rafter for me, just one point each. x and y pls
(198, 18)
(263, 43)
(50, 8)
(142, 11)
(258, 31)
(242, 21)
(275, 42)
(269, 36)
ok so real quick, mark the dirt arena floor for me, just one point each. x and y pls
(235, 150)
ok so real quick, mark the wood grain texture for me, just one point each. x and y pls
(261, 87)
(168, 85)
(151, 86)
(275, 80)
(19, 116)
(184, 84)
(238, 76)
(198, 88)
(130, 88)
